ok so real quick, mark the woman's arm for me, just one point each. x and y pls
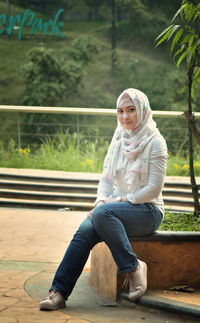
(157, 170)
(104, 190)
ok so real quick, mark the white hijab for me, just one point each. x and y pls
(130, 149)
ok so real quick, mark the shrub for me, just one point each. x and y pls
(47, 79)
(82, 50)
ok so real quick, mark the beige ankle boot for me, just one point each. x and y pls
(53, 301)
(137, 281)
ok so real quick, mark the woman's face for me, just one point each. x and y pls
(127, 117)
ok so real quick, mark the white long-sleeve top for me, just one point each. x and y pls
(151, 192)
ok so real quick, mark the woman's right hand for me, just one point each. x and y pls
(89, 214)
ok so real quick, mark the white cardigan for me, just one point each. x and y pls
(151, 192)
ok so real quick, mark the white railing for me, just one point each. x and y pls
(87, 111)
(176, 139)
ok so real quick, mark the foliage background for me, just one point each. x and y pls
(78, 80)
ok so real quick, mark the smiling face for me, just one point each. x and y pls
(127, 117)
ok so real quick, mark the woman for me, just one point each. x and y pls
(129, 201)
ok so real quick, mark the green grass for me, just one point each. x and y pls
(69, 152)
(179, 166)
(65, 152)
(180, 222)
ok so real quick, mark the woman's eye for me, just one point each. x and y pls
(131, 110)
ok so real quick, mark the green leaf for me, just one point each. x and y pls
(196, 16)
(185, 39)
(183, 89)
(180, 50)
(189, 13)
(196, 73)
(192, 91)
(190, 41)
(181, 58)
(176, 39)
(164, 37)
(193, 48)
(198, 42)
(183, 7)
(173, 31)
(178, 12)
(163, 32)
(189, 57)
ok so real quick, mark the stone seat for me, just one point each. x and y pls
(172, 257)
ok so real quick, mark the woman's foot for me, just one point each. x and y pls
(53, 301)
(137, 281)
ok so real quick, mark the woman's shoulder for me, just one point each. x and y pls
(159, 143)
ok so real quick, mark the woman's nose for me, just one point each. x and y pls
(125, 115)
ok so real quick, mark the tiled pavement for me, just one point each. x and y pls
(32, 243)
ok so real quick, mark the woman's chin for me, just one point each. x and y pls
(128, 126)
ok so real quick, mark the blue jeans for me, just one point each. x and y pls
(112, 223)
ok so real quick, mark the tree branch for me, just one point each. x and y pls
(192, 124)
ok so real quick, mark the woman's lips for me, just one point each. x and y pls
(127, 123)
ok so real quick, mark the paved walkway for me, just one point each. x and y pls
(32, 243)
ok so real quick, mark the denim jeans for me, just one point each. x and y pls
(112, 223)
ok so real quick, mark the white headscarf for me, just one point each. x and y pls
(130, 149)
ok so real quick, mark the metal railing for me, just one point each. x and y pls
(77, 124)
(87, 111)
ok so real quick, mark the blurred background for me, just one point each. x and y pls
(108, 45)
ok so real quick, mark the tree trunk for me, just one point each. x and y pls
(113, 37)
(96, 12)
(193, 126)
(8, 8)
(119, 14)
(195, 192)
(90, 15)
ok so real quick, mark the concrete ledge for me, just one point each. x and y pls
(166, 304)
(170, 236)
(172, 258)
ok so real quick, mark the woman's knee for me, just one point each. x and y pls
(100, 216)
(87, 233)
